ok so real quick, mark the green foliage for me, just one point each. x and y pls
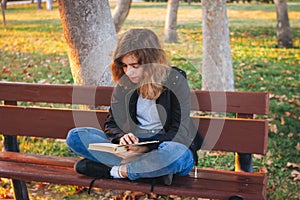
(44, 146)
(33, 49)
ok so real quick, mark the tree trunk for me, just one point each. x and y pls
(171, 21)
(39, 4)
(217, 72)
(3, 14)
(284, 35)
(120, 13)
(91, 37)
(4, 4)
(49, 4)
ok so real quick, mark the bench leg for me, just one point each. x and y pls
(236, 198)
(20, 189)
(243, 162)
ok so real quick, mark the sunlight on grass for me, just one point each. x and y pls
(46, 43)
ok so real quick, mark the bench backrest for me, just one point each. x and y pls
(56, 116)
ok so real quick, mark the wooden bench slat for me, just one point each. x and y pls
(203, 173)
(231, 102)
(242, 135)
(185, 186)
(234, 134)
(56, 93)
(50, 123)
(212, 101)
(38, 159)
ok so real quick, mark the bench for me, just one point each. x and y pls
(29, 110)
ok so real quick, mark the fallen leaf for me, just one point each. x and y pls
(250, 85)
(263, 169)
(269, 162)
(273, 128)
(290, 134)
(296, 175)
(258, 156)
(298, 146)
(260, 78)
(294, 165)
(5, 70)
(282, 121)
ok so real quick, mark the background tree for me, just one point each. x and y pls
(171, 21)
(91, 37)
(120, 13)
(49, 4)
(217, 72)
(284, 35)
(3, 4)
(3, 14)
(39, 4)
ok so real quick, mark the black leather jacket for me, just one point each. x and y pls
(173, 106)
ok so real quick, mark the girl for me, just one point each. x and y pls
(151, 101)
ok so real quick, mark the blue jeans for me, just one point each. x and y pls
(169, 158)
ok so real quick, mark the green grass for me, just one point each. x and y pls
(33, 49)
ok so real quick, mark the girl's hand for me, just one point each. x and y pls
(129, 138)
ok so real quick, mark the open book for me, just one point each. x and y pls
(116, 148)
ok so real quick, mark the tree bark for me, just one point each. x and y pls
(120, 13)
(91, 37)
(284, 35)
(4, 4)
(3, 14)
(39, 4)
(217, 72)
(171, 22)
(49, 4)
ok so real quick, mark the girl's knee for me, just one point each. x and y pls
(181, 158)
(173, 147)
(84, 136)
(176, 151)
(72, 136)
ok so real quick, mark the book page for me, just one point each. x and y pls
(116, 148)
